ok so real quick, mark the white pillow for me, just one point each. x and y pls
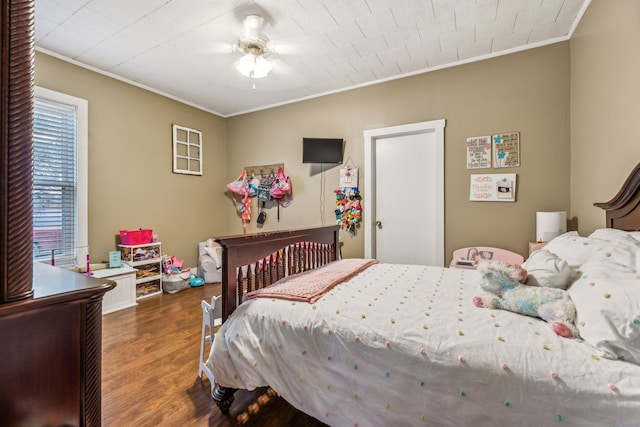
(613, 233)
(607, 300)
(619, 252)
(573, 248)
(546, 269)
(607, 233)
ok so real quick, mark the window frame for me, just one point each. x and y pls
(82, 164)
(183, 150)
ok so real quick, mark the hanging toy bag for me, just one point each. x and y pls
(253, 184)
(265, 186)
(242, 187)
(281, 188)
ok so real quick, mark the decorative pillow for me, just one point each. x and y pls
(547, 270)
(607, 299)
(573, 248)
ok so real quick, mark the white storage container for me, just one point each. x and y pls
(172, 283)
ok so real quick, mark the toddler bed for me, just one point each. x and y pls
(404, 344)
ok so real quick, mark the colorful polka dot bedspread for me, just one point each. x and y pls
(404, 345)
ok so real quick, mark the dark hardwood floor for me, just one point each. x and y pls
(150, 370)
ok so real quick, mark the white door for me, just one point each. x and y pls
(404, 193)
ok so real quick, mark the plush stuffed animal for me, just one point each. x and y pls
(506, 290)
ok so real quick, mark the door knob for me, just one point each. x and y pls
(379, 224)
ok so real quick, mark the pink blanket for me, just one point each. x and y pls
(310, 285)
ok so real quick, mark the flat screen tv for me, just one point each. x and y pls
(322, 150)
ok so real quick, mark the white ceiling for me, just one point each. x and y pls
(184, 48)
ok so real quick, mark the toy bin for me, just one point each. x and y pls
(172, 283)
(148, 288)
(136, 237)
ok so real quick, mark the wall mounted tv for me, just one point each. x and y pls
(322, 150)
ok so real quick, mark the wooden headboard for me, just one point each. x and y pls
(623, 211)
(254, 261)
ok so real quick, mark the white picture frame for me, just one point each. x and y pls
(479, 152)
(493, 187)
(187, 150)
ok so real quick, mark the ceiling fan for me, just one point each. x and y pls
(255, 44)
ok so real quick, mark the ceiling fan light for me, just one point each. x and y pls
(253, 66)
(262, 67)
(246, 64)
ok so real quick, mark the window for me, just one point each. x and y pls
(60, 145)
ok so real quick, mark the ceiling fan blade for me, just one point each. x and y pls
(286, 49)
(219, 47)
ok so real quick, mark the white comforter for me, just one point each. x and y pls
(404, 345)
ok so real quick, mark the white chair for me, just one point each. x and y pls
(211, 319)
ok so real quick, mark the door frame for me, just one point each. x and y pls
(369, 201)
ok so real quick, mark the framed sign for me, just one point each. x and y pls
(506, 150)
(493, 187)
(479, 152)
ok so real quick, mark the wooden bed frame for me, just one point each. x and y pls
(290, 252)
(623, 211)
(254, 261)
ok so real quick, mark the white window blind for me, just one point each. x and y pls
(57, 202)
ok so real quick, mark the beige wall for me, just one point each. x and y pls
(131, 183)
(605, 112)
(526, 92)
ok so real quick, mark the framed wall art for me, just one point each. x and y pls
(493, 187)
(506, 150)
(479, 152)
(187, 150)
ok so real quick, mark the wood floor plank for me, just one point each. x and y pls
(150, 370)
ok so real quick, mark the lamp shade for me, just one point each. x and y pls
(254, 66)
(550, 225)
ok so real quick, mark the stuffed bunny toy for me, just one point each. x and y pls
(506, 290)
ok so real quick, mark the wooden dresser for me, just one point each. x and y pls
(51, 351)
(50, 318)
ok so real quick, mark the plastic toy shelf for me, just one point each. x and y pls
(146, 259)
